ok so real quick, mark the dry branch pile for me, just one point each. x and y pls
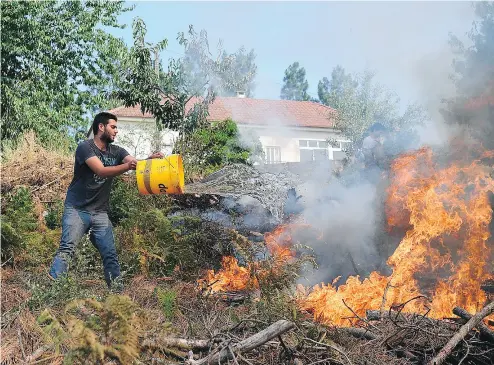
(383, 337)
(242, 180)
(46, 173)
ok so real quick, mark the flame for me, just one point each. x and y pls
(442, 259)
(232, 277)
(444, 253)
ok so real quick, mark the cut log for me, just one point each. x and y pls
(460, 335)
(484, 330)
(225, 353)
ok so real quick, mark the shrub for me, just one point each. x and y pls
(167, 299)
(126, 201)
(17, 220)
(214, 145)
(53, 218)
(94, 331)
(157, 245)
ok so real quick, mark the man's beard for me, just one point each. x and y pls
(106, 138)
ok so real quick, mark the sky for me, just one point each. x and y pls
(406, 43)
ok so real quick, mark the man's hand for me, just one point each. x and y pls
(132, 164)
(156, 155)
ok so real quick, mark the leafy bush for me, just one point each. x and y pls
(126, 202)
(124, 199)
(53, 218)
(54, 293)
(157, 245)
(214, 145)
(17, 220)
(167, 299)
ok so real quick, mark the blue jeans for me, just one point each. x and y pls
(75, 224)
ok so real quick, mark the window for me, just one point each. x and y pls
(313, 150)
(272, 154)
(312, 143)
(341, 145)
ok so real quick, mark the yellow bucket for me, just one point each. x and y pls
(160, 175)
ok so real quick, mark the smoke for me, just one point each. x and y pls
(432, 74)
(349, 210)
(348, 216)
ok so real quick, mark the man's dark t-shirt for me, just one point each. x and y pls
(88, 191)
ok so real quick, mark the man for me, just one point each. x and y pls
(97, 162)
(372, 149)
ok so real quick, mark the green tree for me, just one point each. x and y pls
(359, 101)
(473, 75)
(57, 64)
(237, 72)
(166, 94)
(331, 91)
(295, 84)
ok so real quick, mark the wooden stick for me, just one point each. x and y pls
(460, 335)
(19, 335)
(250, 343)
(49, 183)
(484, 330)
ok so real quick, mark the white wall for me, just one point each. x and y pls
(135, 135)
(287, 138)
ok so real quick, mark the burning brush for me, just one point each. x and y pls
(445, 257)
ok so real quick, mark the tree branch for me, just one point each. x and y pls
(460, 335)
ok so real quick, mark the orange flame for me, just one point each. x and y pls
(232, 277)
(446, 213)
(444, 254)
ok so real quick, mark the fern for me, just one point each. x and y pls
(99, 330)
(52, 329)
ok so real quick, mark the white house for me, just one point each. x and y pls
(290, 131)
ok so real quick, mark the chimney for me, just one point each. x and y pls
(240, 94)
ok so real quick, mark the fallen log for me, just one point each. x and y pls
(182, 343)
(377, 315)
(460, 335)
(359, 333)
(484, 330)
(227, 352)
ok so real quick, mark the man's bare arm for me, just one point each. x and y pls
(154, 155)
(99, 169)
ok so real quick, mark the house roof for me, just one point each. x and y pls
(257, 112)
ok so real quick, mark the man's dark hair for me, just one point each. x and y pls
(376, 127)
(102, 118)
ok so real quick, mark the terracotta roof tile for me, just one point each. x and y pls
(257, 112)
